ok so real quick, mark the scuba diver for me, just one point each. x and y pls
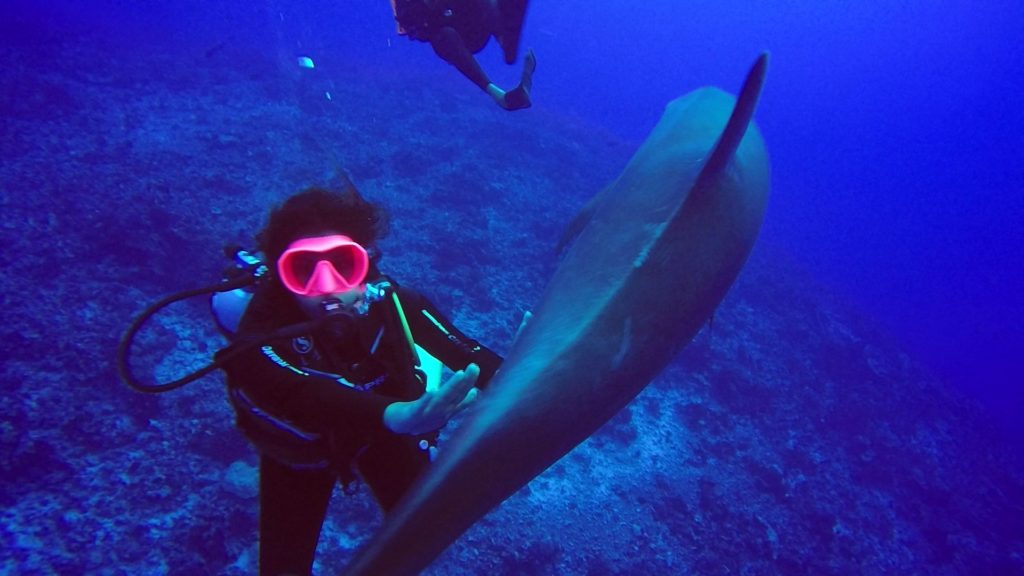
(458, 29)
(333, 369)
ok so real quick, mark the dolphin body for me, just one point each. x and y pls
(656, 253)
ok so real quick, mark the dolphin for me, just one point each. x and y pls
(655, 254)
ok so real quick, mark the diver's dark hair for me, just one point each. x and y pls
(318, 210)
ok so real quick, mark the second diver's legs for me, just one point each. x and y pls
(449, 46)
(292, 508)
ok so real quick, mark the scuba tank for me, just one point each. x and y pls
(228, 306)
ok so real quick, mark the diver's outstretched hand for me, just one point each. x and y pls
(434, 408)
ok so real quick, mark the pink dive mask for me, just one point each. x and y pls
(323, 265)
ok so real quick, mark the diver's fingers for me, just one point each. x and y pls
(460, 383)
(470, 397)
(469, 374)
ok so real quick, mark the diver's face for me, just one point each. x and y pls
(315, 306)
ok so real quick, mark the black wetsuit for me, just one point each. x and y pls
(313, 405)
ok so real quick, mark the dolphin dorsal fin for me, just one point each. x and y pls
(736, 127)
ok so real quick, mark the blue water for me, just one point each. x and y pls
(826, 425)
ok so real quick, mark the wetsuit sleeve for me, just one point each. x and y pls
(437, 335)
